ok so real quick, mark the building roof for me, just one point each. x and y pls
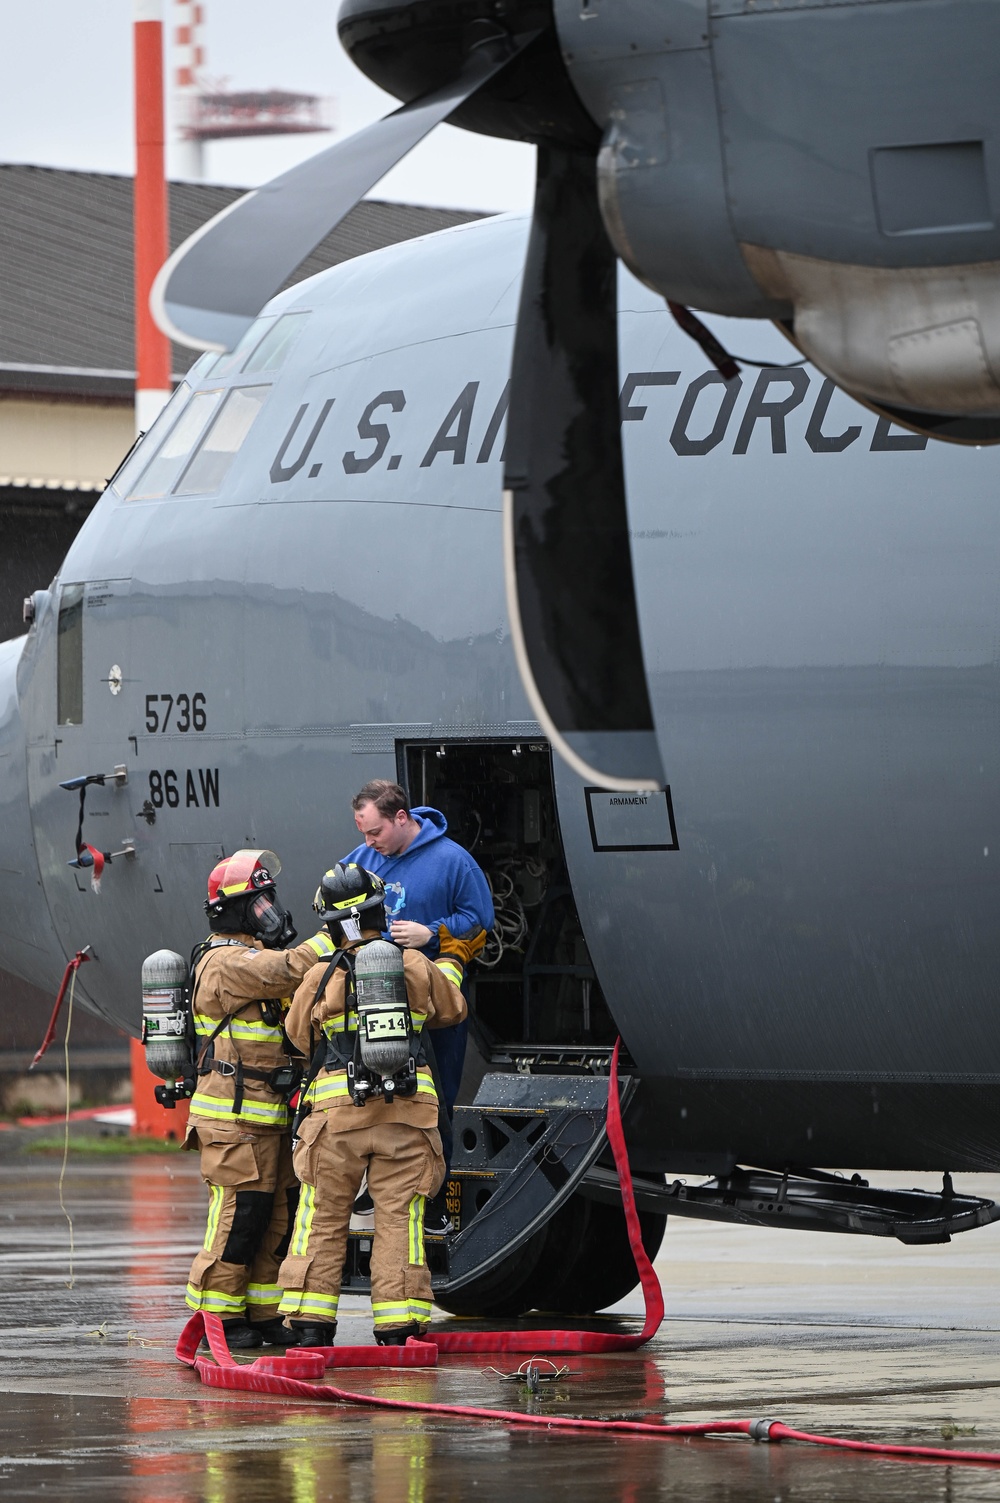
(66, 322)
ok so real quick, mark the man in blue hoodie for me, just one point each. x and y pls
(431, 884)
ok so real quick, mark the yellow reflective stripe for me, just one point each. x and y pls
(333, 1088)
(339, 1023)
(329, 1088)
(420, 1309)
(263, 1113)
(303, 1221)
(216, 1194)
(214, 1300)
(349, 1022)
(321, 945)
(390, 1313)
(263, 1294)
(416, 1229)
(244, 1028)
(254, 1033)
(451, 969)
(308, 1302)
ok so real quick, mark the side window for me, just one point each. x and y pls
(161, 473)
(253, 336)
(138, 456)
(220, 445)
(274, 348)
(69, 656)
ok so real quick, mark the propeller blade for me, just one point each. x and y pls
(567, 557)
(214, 285)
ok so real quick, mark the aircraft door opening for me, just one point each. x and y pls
(534, 997)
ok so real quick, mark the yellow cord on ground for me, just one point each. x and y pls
(62, 1171)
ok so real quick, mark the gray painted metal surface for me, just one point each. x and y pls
(833, 164)
(807, 966)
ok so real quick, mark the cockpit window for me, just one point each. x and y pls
(221, 443)
(203, 367)
(274, 348)
(161, 473)
(138, 456)
(251, 339)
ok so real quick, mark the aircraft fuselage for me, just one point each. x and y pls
(799, 942)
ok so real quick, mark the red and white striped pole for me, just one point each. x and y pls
(152, 348)
(190, 59)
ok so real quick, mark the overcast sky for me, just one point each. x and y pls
(66, 98)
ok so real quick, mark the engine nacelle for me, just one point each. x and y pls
(821, 164)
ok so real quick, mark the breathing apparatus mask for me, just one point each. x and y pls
(269, 922)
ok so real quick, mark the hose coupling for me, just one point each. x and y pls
(760, 1429)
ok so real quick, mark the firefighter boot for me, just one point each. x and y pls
(398, 1335)
(240, 1336)
(275, 1332)
(306, 1334)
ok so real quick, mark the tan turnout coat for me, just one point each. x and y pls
(435, 1002)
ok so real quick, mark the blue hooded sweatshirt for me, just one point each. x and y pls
(433, 882)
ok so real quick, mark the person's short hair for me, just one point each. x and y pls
(387, 797)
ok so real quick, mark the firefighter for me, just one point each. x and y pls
(361, 1121)
(434, 889)
(242, 981)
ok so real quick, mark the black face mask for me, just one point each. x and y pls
(269, 922)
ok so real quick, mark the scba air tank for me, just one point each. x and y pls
(164, 1014)
(383, 1011)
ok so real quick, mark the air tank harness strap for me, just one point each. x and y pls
(284, 1081)
(295, 1375)
(341, 956)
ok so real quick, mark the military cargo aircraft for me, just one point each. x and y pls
(763, 628)
(295, 583)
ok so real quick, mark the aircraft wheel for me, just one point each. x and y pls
(596, 1267)
(578, 1263)
(503, 1292)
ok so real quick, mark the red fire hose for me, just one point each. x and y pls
(71, 965)
(296, 1373)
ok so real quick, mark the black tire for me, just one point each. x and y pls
(595, 1267)
(578, 1263)
(503, 1292)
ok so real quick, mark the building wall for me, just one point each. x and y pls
(58, 442)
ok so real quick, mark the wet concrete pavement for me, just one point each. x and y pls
(848, 1336)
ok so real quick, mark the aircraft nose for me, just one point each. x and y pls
(27, 944)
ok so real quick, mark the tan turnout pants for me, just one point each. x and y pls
(404, 1165)
(252, 1196)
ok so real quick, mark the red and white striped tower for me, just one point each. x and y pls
(152, 348)
(189, 59)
